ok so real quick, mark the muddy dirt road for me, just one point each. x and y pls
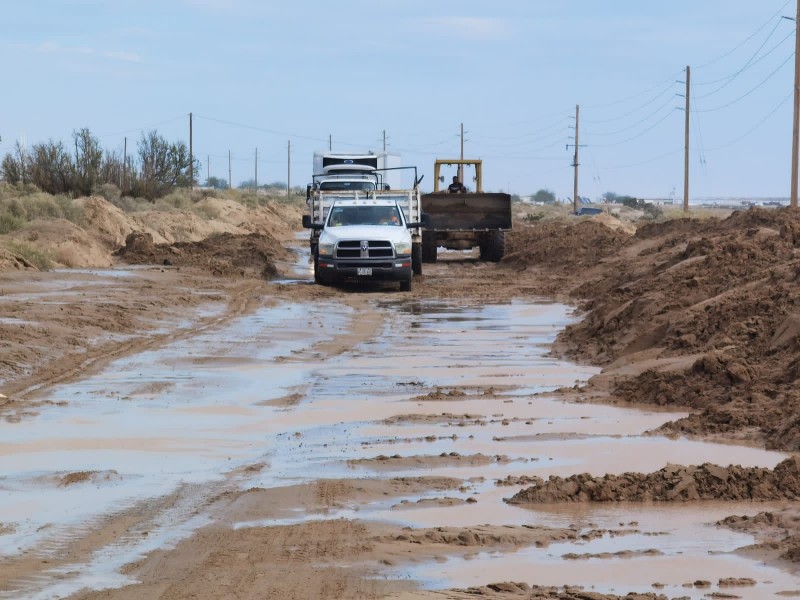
(294, 441)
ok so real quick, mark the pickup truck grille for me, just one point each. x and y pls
(365, 249)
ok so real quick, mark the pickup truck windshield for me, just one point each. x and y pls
(360, 186)
(341, 216)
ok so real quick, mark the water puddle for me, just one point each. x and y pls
(439, 379)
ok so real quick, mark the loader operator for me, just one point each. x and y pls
(456, 187)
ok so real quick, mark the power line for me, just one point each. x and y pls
(555, 134)
(639, 122)
(755, 127)
(746, 66)
(164, 122)
(628, 113)
(556, 125)
(633, 97)
(743, 96)
(648, 161)
(640, 134)
(277, 132)
(750, 37)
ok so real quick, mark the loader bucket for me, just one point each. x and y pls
(467, 212)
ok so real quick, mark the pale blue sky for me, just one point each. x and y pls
(257, 74)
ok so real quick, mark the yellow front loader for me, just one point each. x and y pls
(463, 220)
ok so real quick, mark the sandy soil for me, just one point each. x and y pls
(698, 314)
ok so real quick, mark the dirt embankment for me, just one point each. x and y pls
(176, 236)
(702, 314)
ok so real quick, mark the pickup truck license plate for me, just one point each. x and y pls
(364, 271)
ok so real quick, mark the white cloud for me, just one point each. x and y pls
(467, 27)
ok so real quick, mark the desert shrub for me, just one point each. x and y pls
(130, 204)
(177, 199)
(39, 205)
(38, 258)
(9, 223)
(653, 211)
(206, 211)
(109, 191)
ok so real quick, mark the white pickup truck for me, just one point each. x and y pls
(365, 237)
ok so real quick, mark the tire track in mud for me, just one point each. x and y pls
(242, 300)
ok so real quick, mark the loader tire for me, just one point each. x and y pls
(496, 246)
(416, 258)
(429, 246)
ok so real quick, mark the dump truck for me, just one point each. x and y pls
(464, 220)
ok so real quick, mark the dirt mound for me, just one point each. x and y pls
(672, 483)
(724, 293)
(65, 242)
(223, 254)
(563, 246)
(105, 221)
(279, 219)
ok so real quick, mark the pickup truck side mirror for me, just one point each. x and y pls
(309, 224)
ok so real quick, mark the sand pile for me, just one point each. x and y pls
(672, 483)
(704, 314)
(223, 254)
(67, 244)
(105, 229)
(106, 222)
(563, 246)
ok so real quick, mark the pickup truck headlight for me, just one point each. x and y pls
(402, 248)
(326, 249)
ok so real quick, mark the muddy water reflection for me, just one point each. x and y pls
(188, 415)
(486, 362)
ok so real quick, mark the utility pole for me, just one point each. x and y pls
(686, 143)
(124, 182)
(461, 167)
(191, 157)
(575, 162)
(384, 132)
(230, 181)
(289, 168)
(796, 124)
(255, 181)
(330, 142)
(208, 168)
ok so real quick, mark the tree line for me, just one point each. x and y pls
(157, 168)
